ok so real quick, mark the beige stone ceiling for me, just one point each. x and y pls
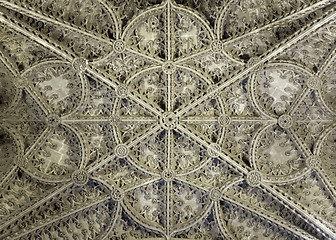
(183, 119)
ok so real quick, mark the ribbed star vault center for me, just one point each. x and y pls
(169, 120)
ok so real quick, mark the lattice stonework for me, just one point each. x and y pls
(167, 119)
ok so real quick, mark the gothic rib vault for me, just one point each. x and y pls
(182, 119)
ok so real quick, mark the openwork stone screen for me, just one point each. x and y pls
(185, 119)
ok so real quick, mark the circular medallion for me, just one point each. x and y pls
(168, 120)
(168, 175)
(80, 177)
(224, 120)
(254, 178)
(80, 64)
(122, 91)
(314, 83)
(119, 46)
(168, 67)
(313, 161)
(117, 194)
(215, 194)
(216, 46)
(53, 120)
(172, 116)
(285, 121)
(121, 150)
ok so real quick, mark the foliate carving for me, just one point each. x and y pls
(189, 153)
(10, 89)
(277, 155)
(20, 193)
(147, 34)
(59, 152)
(285, 121)
(121, 175)
(58, 86)
(258, 197)
(80, 177)
(254, 178)
(313, 58)
(10, 150)
(121, 150)
(277, 87)
(192, 126)
(327, 153)
(150, 153)
(311, 192)
(328, 85)
(188, 40)
(21, 50)
(151, 85)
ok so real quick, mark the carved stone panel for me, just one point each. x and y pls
(167, 119)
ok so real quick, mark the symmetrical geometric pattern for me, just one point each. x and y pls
(182, 119)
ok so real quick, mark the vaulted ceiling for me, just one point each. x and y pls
(183, 119)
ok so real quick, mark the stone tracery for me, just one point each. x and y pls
(185, 120)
